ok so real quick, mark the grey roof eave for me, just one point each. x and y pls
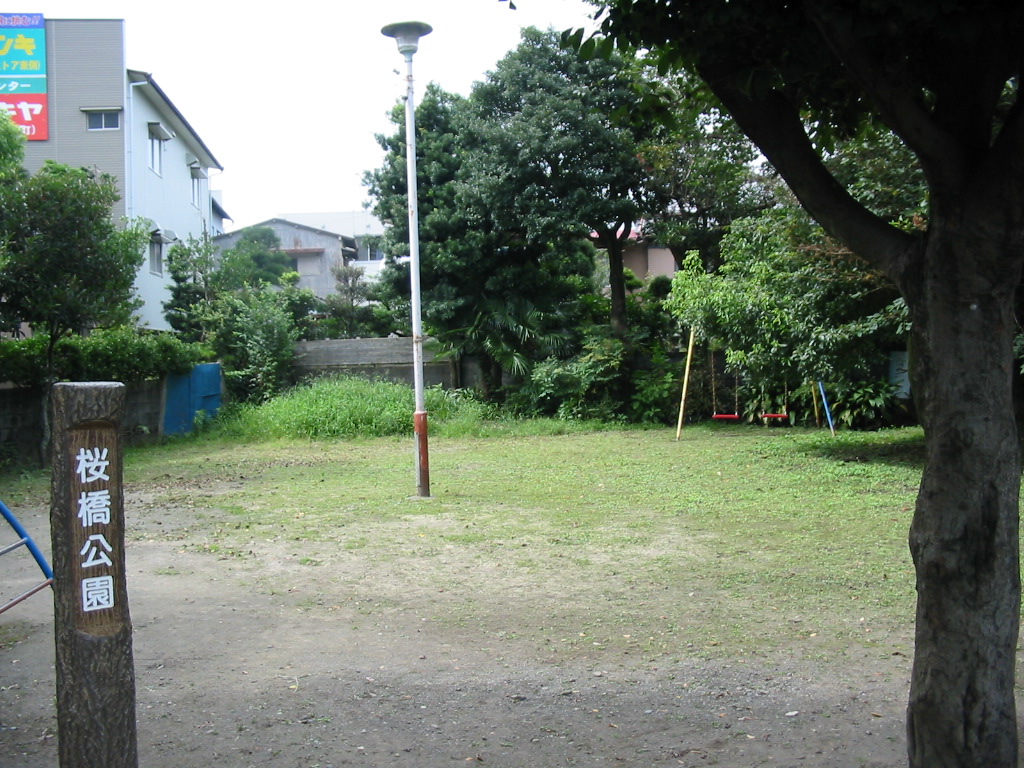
(166, 107)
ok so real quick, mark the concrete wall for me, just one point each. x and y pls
(647, 261)
(21, 425)
(374, 358)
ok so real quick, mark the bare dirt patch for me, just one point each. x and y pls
(275, 653)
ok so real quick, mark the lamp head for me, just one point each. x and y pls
(407, 34)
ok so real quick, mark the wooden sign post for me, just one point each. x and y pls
(95, 669)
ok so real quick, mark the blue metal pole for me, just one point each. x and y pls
(828, 411)
(20, 530)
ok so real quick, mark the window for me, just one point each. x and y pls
(156, 255)
(158, 134)
(103, 121)
(156, 147)
(198, 174)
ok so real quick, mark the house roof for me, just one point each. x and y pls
(219, 209)
(166, 107)
(347, 241)
(296, 225)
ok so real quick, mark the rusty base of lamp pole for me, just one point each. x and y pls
(422, 457)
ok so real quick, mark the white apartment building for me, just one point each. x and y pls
(66, 83)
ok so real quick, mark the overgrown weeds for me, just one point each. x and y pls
(349, 407)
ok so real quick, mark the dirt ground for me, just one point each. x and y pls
(357, 670)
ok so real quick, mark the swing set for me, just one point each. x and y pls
(734, 417)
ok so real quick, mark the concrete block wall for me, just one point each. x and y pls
(21, 417)
(389, 359)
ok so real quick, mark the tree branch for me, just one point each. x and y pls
(1009, 143)
(902, 107)
(774, 124)
(941, 147)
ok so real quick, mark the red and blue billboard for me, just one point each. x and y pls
(23, 73)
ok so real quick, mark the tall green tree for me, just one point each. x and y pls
(945, 78)
(705, 170)
(486, 291)
(254, 335)
(12, 149)
(201, 274)
(256, 258)
(193, 267)
(788, 304)
(550, 160)
(350, 305)
(64, 265)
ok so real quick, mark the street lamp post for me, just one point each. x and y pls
(407, 34)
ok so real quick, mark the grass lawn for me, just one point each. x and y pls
(733, 540)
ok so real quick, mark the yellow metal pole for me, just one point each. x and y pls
(817, 408)
(686, 382)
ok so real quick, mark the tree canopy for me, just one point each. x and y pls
(64, 264)
(12, 149)
(703, 169)
(487, 290)
(551, 160)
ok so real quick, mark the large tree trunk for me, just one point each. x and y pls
(964, 535)
(617, 286)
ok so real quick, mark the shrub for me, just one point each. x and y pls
(854, 405)
(255, 337)
(115, 354)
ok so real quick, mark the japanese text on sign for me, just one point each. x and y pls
(23, 71)
(92, 467)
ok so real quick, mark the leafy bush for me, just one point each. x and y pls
(655, 390)
(254, 337)
(115, 354)
(866, 404)
(854, 405)
(584, 386)
(612, 379)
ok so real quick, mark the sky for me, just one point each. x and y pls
(289, 97)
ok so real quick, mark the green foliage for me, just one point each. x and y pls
(486, 290)
(547, 158)
(12, 150)
(856, 405)
(866, 404)
(115, 354)
(704, 170)
(788, 307)
(351, 311)
(303, 306)
(254, 336)
(226, 300)
(193, 267)
(654, 389)
(585, 386)
(64, 266)
(254, 260)
(632, 380)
